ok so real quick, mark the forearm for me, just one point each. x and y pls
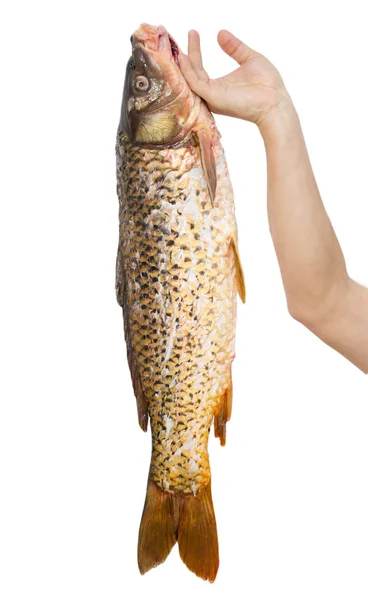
(319, 292)
(311, 261)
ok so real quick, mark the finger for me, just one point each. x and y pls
(234, 47)
(188, 70)
(198, 85)
(194, 49)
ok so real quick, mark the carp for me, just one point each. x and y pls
(177, 276)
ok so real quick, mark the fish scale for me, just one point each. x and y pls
(180, 286)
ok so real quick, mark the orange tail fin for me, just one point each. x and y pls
(197, 535)
(157, 531)
(189, 520)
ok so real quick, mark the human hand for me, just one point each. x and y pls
(254, 91)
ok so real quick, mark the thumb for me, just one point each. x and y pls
(234, 47)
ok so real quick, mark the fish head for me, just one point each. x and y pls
(158, 107)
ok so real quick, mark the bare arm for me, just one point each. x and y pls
(319, 292)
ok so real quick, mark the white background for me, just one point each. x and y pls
(291, 486)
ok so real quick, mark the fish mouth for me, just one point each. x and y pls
(174, 49)
(156, 39)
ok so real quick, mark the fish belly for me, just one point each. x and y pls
(180, 293)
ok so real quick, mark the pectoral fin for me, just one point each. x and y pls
(208, 161)
(240, 283)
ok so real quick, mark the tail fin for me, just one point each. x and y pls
(190, 520)
(157, 531)
(197, 535)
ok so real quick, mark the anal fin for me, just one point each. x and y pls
(223, 414)
(240, 283)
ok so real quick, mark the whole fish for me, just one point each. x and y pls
(177, 274)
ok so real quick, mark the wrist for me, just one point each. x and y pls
(280, 121)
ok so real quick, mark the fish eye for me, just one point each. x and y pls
(141, 83)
